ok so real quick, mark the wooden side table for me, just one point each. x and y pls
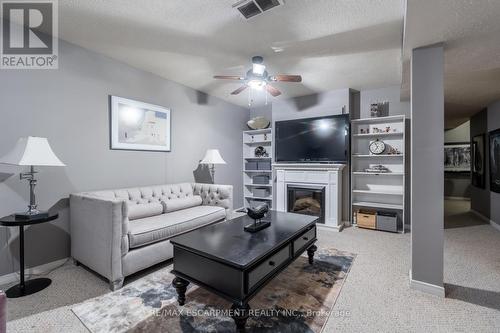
(32, 286)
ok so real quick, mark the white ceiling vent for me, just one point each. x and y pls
(250, 8)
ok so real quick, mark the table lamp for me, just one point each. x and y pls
(211, 158)
(31, 151)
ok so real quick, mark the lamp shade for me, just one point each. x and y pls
(212, 156)
(32, 151)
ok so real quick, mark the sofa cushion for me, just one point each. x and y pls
(139, 211)
(157, 228)
(146, 201)
(181, 203)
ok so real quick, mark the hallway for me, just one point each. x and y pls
(457, 214)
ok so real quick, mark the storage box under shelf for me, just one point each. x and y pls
(366, 219)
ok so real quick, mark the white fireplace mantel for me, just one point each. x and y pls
(328, 176)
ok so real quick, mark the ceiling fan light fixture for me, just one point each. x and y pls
(257, 84)
(258, 69)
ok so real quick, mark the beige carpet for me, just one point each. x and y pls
(375, 296)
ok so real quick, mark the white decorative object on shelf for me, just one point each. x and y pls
(258, 123)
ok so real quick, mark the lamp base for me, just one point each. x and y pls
(30, 287)
(32, 215)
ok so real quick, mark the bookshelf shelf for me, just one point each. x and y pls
(385, 191)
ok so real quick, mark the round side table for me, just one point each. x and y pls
(32, 286)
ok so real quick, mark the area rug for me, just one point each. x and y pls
(300, 299)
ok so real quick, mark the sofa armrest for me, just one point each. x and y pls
(99, 233)
(216, 195)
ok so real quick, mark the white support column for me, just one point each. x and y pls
(427, 170)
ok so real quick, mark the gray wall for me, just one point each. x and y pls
(262, 111)
(485, 201)
(480, 197)
(458, 134)
(316, 105)
(391, 94)
(494, 124)
(457, 185)
(69, 106)
(427, 166)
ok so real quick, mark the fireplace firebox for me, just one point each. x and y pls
(307, 201)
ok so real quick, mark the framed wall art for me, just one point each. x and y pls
(137, 125)
(478, 161)
(457, 157)
(495, 161)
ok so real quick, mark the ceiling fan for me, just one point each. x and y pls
(258, 78)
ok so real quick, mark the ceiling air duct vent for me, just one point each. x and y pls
(251, 8)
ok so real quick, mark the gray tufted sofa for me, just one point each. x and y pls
(119, 232)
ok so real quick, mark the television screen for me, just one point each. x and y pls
(323, 139)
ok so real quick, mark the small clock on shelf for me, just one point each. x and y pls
(377, 147)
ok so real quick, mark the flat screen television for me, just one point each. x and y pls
(313, 140)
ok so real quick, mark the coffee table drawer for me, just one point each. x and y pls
(303, 240)
(268, 266)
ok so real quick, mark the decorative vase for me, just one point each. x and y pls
(258, 123)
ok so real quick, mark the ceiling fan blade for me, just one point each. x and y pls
(229, 77)
(286, 78)
(273, 91)
(240, 89)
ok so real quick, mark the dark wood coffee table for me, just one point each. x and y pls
(235, 264)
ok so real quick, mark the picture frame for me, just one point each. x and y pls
(457, 157)
(478, 161)
(139, 126)
(494, 149)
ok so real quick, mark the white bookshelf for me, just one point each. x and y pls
(384, 191)
(251, 140)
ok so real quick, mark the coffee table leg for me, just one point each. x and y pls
(181, 286)
(240, 315)
(310, 253)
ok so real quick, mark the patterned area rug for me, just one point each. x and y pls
(300, 299)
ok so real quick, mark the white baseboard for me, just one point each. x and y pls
(457, 198)
(337, 228)
(481, 216)
(495, 225)
(427, 287)
(487, 220)
(37, 270)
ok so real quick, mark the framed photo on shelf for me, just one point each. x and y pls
(478, 161)
(495, 161)
(136, 125)
(457, 157)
